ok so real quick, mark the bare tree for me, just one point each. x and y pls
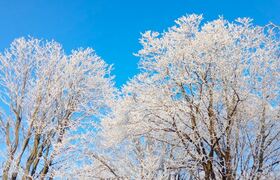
(204, 106)
(210, 94)
(46, 97)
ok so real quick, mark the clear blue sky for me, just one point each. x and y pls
(112, 27)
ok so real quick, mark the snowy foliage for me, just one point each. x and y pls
(204, 106)
(46, 96)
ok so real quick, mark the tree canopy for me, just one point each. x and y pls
(205, 105)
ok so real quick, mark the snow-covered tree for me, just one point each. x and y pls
(205, 105)
(46, 99)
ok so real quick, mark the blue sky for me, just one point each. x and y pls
(113, 27)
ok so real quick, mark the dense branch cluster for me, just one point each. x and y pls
(204, 106)
(46, 97)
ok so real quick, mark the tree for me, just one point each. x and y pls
(209, 94)
(46, 98)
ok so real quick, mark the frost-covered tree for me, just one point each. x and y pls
(205, 105)
(46, 98)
